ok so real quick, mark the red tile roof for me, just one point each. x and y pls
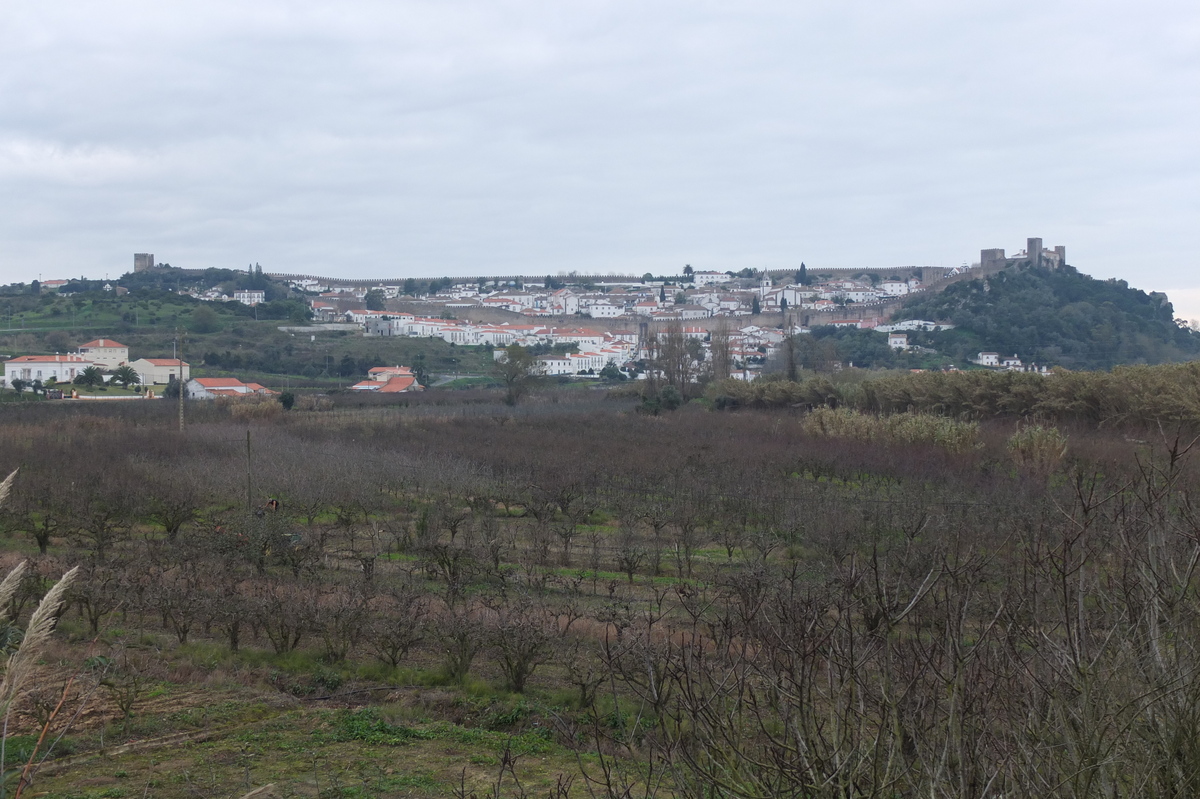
(397, 384)
(49, 359)
(163, 361)
(103, 342)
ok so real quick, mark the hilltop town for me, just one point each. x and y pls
(729, 324)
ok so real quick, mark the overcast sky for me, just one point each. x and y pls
(403, 138)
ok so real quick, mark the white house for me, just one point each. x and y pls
(156, 371)
(894, 288)
(496, 336)
(605, 310)
(898, 341)
(63, 368)
(389, 380)
(861, 295)
(105, 352)
(583, 338)
(553, 364)
(914, 324)
(213, 387)
(709, 278)
(988, 359)
(692, 312)
(250, 297)
(563, 302)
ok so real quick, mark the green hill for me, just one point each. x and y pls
(222, 337)
(1055, 317)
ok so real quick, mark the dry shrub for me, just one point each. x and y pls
(311, 402)
(256, 407)
(1037, 448)
(900, 428)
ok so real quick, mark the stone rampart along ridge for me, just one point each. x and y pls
(928, 273)
(528, 280)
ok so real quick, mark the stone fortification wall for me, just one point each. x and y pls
(528, 280)
(925, 273)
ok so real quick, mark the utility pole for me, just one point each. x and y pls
(249, 478)
(182, 338)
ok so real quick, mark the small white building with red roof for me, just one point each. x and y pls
(105, 353)
(213, 387)
(159, 371)
(389, 380)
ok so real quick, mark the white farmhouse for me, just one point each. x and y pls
(157, 371)
(105, 352)
(212, 387)
(63, 368)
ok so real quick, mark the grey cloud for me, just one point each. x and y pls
(463, 137)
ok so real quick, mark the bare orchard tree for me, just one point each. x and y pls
(524, 634)
(285, 611)
(41, 504)
(104, 512)
(177, 594)
(174, 495)
(461, 633)
(99, 590)
(340, 618)
(398, 622)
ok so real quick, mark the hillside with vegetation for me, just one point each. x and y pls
(219, 337)
(1054, 317)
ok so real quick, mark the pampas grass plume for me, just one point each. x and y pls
(6, 486)
(41, 625)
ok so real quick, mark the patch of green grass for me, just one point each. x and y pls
(368, 726)
(470, 382)
(98, 391)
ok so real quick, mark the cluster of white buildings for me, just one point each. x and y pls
(580, 350)
(1008, 363)
(103, 353)
(699, 296)
(250, 298)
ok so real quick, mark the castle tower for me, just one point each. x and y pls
(143, 261)
(1033, 249)
(991, 258)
